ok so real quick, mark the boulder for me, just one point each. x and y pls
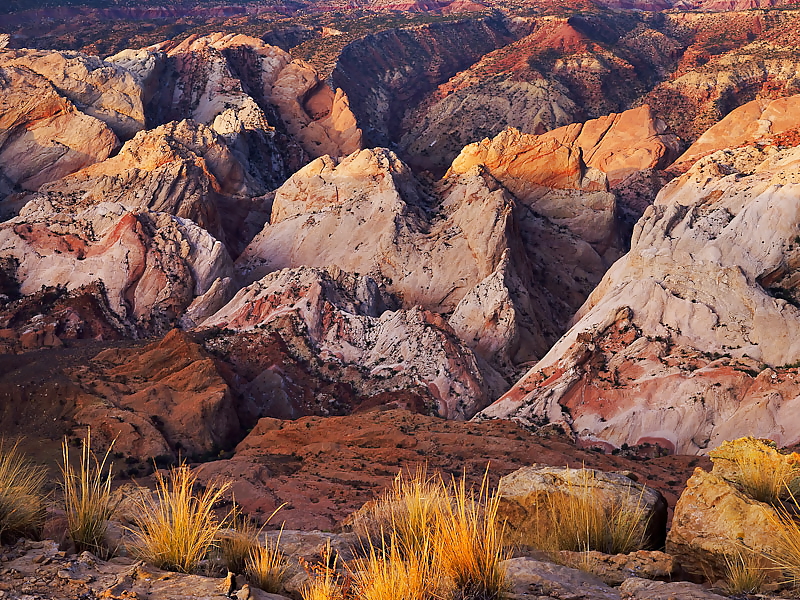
(613, 569)
(713, 520)
(522, 490)
(540, 580)
(637, 588)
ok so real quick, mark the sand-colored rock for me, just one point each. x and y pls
(531, 578)
(182, 168)
(757, 120)
(524, 490)
(566, 174)
(354, 327)
(99, 89)
(613, 569)
(43, 136)
(712, 520)
(637, 588)
(673, 345)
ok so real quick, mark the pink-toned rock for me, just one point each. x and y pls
(43, 136)
(757, 120)
(99, 89)
(354, 327)
(718, 248)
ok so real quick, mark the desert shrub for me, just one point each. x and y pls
(177, 528)
(762, 474)
(22, 507)
(88, 500)
(469, 543)
(429, 540)
(578, 519)
(744, 572)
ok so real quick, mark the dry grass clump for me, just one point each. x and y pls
(266, 567)
(22, 508)
(426, 540)
(469, 543)
(762, 476)
(239, 542)
(786, 557)
(578, 520)
(744, 572)
(88, 500)
(177, 529)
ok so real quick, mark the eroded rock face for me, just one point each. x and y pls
(152, 265)
(756, 120)
(354, 327)
(567, 174)
(43, 136)
(100, 89)
(717, 248)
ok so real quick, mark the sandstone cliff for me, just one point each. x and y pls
(691, 337)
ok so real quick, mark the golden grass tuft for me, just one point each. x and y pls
(744, 572)
(323, 587)
(578, 520)
(764, 475)
(239, 541)
(266, 567)
(177, 529)
(469, 543)
(389, 573)
(786, 556)
(22, 507)
(88, 500)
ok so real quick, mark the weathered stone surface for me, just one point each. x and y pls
(354, 327)
(540, 580)
(522, 490)
(99, 89)
(613, 569)
(756, 120)
(712, 520)
(152, 265)
(643, 589)
(717, 248)
(43, 136)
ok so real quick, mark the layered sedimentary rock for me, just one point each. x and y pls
(97, 88)
(691, 338)
(151, 265)
(354, 327)
(43, 136)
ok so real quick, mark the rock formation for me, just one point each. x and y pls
(690, 339)
(43, 136)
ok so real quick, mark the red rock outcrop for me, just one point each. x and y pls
(567, 174)
(751, 122)
(43, 136)
(690, 338)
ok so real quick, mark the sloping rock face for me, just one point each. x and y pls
(386, 73)
(567, 174)
(271, 111)
(353, 328)
(182, 168)
(751, 122)
(463, 246)
(151, 265)
(43, 136)
(97, 88)
(690, 338)
(567, 69)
